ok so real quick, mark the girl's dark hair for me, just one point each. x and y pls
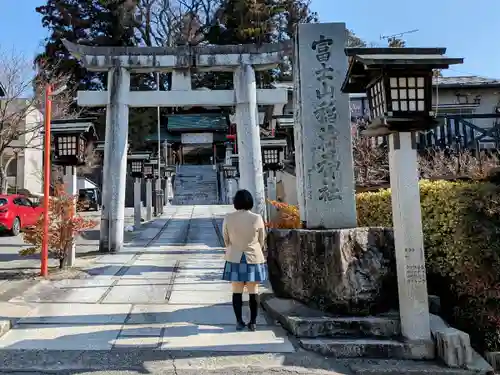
(243, 200)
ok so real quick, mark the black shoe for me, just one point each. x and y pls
(252, 327)
(240, 326)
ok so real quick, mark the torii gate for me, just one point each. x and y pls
(119, 62)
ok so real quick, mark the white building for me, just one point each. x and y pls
(23, 159)
(452, 96)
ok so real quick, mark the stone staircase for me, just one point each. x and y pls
(374, 341)
(195, 184)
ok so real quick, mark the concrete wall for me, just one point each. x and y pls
(85, 183)
(490, 99)
(286, 188)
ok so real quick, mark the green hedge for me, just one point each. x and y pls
(461, 224)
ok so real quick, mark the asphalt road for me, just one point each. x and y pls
(87, 242)
(234, 371)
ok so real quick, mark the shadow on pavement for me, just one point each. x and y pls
(96, 350)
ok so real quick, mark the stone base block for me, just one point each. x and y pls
(493, 359)
(303, 321)
(370, 348)
(343, 271)
(453, 347)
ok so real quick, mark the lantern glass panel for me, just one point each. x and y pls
(271, 156)
(136, 167)
(377, 99)
(81, 147)
(67, 145)
(407, 94)
(148, 169)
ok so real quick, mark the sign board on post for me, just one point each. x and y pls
(197, 138)
(325, 181)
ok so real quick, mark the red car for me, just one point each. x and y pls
(17, 212)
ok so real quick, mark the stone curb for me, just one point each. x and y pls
(5, 326)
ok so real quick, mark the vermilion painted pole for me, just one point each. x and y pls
(46, 182)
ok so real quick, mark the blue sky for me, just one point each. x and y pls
(466, 28)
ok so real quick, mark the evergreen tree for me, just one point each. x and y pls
(254, 22)
(394, 42)
(91, 22)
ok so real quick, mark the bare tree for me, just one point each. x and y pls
(171, 22)
(371, 164)
(445, 164)
(22, 107)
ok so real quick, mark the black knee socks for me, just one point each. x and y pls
(237, 306)
(254, 307)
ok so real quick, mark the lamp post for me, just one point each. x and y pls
(398, 83)
(157, 173)
(167, 192)
(49, 94)
(136, 161)
(272, 161)
(159, 191)
(229, 153)
(71, 141)
(148, 174)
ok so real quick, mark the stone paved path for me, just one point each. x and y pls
(162, 292)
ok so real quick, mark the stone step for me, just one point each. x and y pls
(195, 202)
(196, 184)
(406, 367)
(206, 184)
(369, 348)
(305, 322)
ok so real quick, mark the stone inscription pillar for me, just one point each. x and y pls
(272, 196)
(248, 134)
(408, 237)
(118, 89)
(229, 153)
(325, 177)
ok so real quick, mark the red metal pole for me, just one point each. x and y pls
(46, 183)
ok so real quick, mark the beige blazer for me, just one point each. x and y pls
(244, 232)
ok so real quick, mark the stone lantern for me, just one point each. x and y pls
(169, 172)
(136, 162)
(272, 154)
(71, 140)
(398, 82)
(148, 170)
(157, 173)
(230, 174)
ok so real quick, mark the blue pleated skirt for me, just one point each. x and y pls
(244, 272)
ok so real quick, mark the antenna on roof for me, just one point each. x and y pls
(387, 37)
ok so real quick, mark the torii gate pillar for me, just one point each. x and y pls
(119, 62)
